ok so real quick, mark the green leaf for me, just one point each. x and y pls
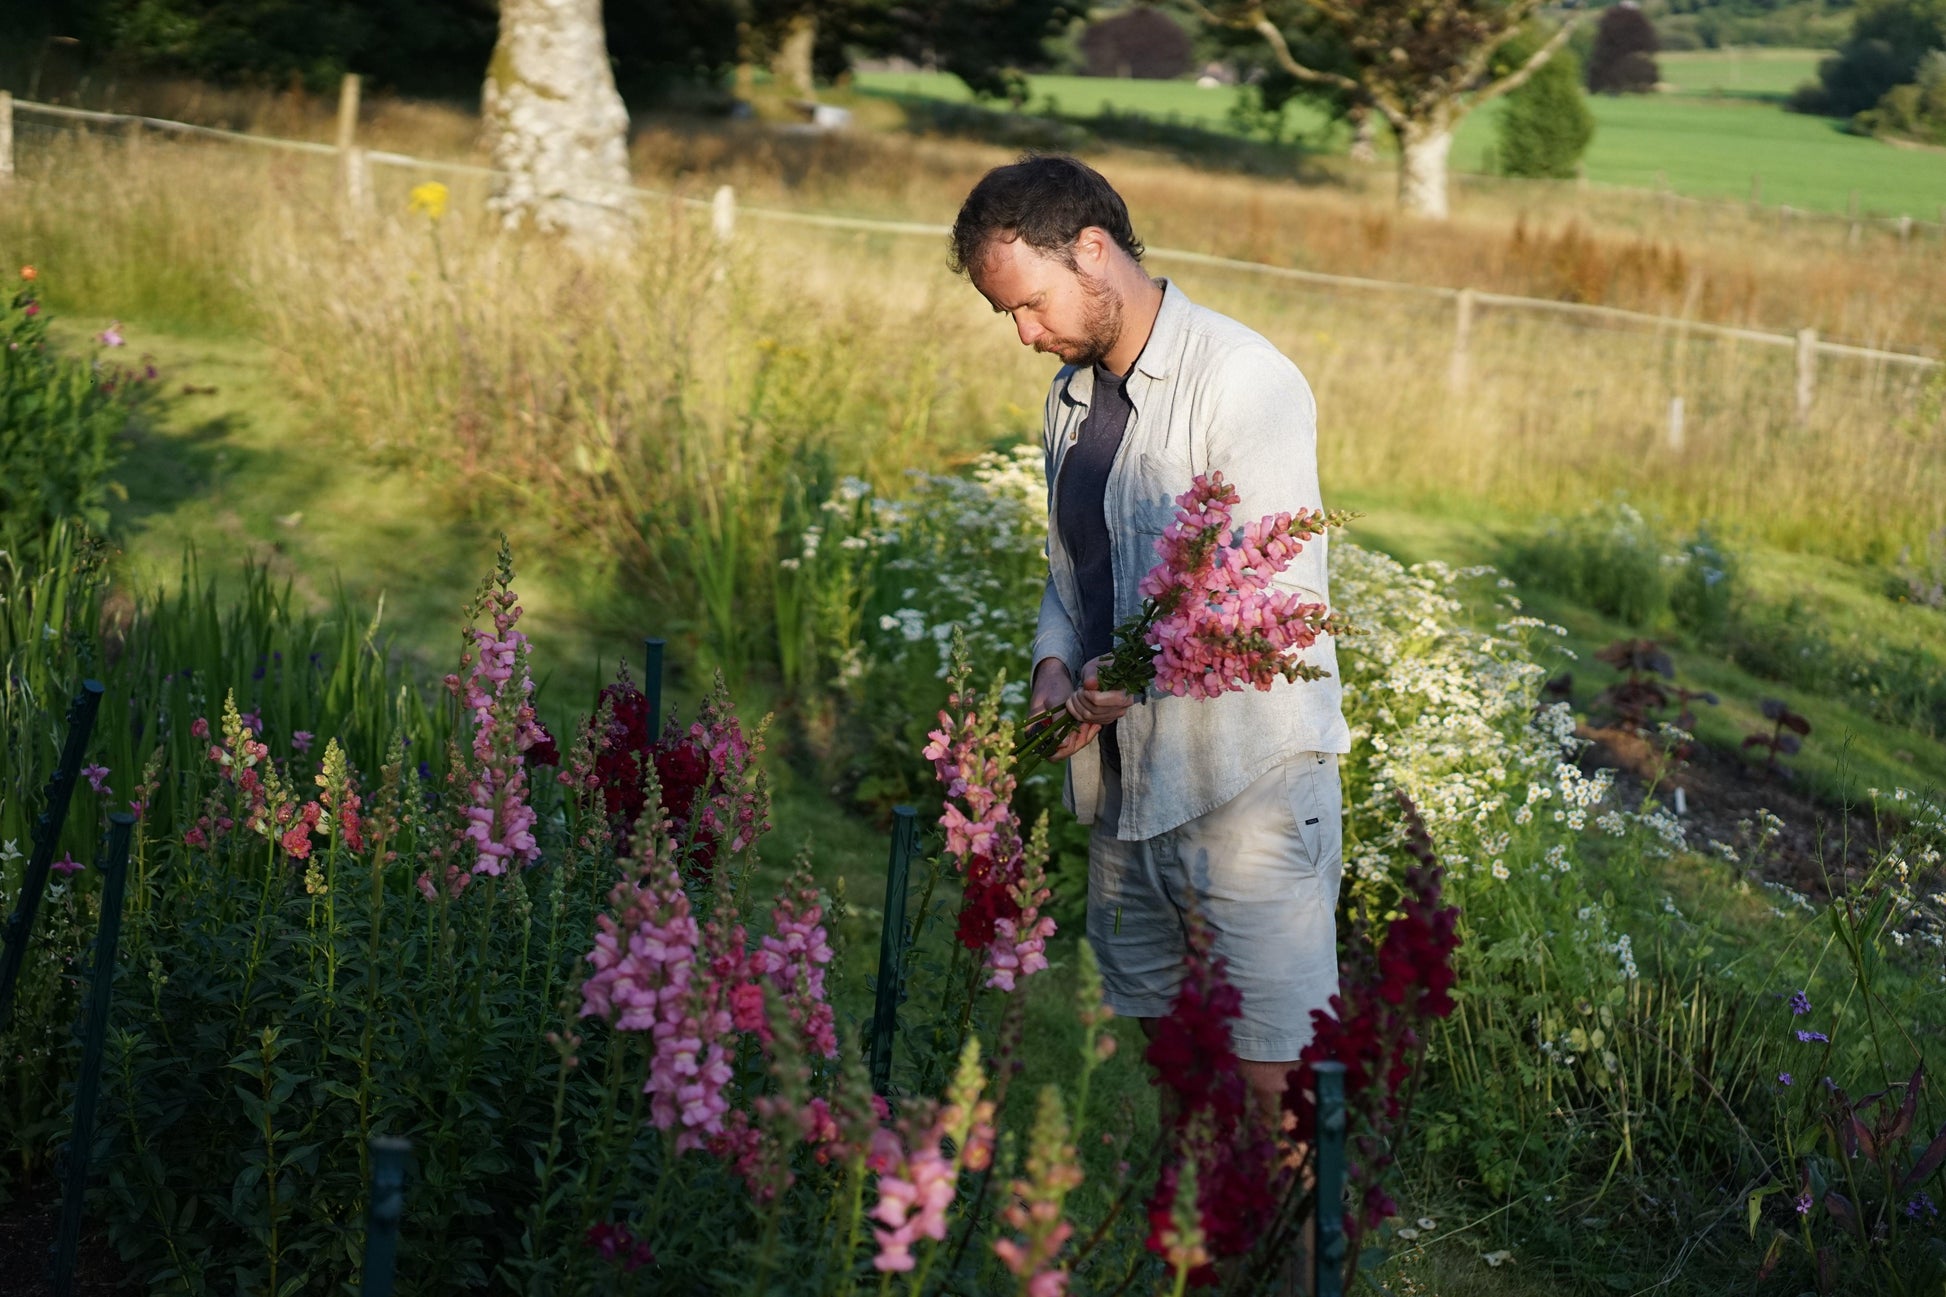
(1755, 1205)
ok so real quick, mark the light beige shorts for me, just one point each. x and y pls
(1263, 870)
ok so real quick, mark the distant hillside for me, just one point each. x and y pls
(1714, 24)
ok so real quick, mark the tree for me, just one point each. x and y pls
(1139, 42)
(1623, 60)
(1545, 125)
(988, 44)
(1888, 38)
(1422, 65)
(556, 124)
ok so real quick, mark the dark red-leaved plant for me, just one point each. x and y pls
(625, 751)
(1375, 1026)
(1239, 1181)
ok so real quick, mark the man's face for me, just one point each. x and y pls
(1070, 313)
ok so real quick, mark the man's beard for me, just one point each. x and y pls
(1101, 325)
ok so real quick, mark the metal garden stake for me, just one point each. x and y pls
(114, 875)
(47, 832)
(891, 944)
(384, 1206)
(1329, 1262)
(652, 685)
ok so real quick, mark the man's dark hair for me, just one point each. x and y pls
(1044, 200)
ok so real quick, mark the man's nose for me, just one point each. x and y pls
(1029, 330)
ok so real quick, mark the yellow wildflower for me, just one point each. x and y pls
(429, 198)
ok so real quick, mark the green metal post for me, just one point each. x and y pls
(87, 1087)
(652, 685)
(47, 834)
(1329, 1273)
(383, 1209)
(891, 945)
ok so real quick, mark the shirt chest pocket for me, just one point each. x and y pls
(1150, 489)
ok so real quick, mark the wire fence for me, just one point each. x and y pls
(356, 162)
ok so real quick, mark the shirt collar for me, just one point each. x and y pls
(1157, 353)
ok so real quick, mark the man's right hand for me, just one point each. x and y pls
(1053, 686)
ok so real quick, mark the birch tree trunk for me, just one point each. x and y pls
(557, 125)
(792, 66)
(1424, 147)
(1364, 133)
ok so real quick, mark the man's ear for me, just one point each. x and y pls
(1091, 248)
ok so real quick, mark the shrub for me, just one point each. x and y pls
(1703, 584)
(1916, 111)
(1546, 126)
(1888, 39)
(1609, 558)
(1623, 59)
(60, 417)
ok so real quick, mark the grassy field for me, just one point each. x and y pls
(1705, 147)
(1756, 72)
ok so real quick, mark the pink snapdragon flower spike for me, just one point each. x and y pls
(1003, 877)
(497, 693)
(738, 810)
(794, 958)
(1032, 1252)
(917, 1179)
(1212, 621)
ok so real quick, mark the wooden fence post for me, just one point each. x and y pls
(46, 836)
(723, 214)
(1675, 424)
(352, 166)
(1462, 339)
(6, 137)
(1807, 372)
(891, 945)
(1905, 231)
(94, 1041)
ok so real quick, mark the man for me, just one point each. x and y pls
(1227, 807)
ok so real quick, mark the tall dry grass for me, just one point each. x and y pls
(653, 417)
(1633, 249)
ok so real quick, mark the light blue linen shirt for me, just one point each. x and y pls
(1209, 395)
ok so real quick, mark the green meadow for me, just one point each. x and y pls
(1718, 135)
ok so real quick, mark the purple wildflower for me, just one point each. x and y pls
(1800, 1004)
(97, 777)
(67, 865)
(1783, 1078)
(302, 740)
(1803, 1204)
(1921, 1203)
(1814, 1037)
(110, 336)
(255, 721)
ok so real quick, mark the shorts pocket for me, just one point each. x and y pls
(1311, 785)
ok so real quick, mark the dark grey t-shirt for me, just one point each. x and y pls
(1083, 519)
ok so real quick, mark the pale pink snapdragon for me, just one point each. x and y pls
(655, 972)
(794, 959)
(499, 820)
(1000, 915)
(917, 1181)
(912, 1203)
(738, 810)
(1053, 1171)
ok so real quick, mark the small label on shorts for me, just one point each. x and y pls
(1312, 820)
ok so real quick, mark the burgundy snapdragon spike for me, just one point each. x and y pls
(1376, 1024)
(1211, 623)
